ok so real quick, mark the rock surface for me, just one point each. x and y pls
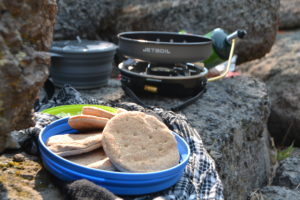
(89, 19)
(276, 193)
(281, 72)
(289, 14)
(288, 172)
(25, 179)
(25, 32)
(286, 183)
(231, 119)
(103, 19)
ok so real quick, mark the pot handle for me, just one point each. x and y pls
(55, 54)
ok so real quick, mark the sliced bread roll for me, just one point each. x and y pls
(87, 122)
(120, 110)
(137, 142)
(74, 144)
(99, 112)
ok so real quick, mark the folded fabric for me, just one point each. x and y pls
(199, 181)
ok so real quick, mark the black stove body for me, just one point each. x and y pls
(175, 80)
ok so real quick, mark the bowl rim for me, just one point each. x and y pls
(62, 120)
(61, 108)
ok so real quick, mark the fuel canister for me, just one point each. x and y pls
(221, 43)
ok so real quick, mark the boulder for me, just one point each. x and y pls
(105, 19)
(289, 14)
(281, 73)
(231, 119)
(288, 172)
(25, 34)
(275, 193)
(89, 19)
(286, 182)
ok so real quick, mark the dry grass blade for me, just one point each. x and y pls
(256, 195)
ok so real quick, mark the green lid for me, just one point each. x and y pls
(70, 110)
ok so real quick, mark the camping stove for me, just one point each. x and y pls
(162, 62)
(164, 79)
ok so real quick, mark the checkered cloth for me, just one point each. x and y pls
(200, 179)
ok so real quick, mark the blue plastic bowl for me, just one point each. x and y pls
(121, 183)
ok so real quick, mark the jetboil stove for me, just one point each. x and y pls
(163, 63)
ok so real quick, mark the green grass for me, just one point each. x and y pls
(285, 153)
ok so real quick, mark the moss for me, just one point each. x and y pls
(3, 62)
(285, 153)
(14, 84)
(19, 167)
(20, 56)
(18, 173)
(19, 177)
(31, 164)
(14, 184)
(22, 193)
(1, 105)
(16, 188)
(3, 165)
(13, 164)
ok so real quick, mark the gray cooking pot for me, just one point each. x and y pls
(164, 47)
(83, 64)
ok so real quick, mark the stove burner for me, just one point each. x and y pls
(169, 70)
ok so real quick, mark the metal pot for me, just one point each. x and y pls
(164, 47)
(83, 64)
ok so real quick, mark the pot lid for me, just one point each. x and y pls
(82, 46)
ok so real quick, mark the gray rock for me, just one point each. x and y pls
(289, 14)
(105, 19)
(113, 92)
(89, 19)
(296, 152)
(231, 119)
(259, 18)
(281, 73)
(25, 31)
(288, 172)
(275, 193)
(18, 157)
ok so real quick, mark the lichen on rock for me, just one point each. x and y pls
(25, 33)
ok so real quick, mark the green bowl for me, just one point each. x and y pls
(70, 110)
